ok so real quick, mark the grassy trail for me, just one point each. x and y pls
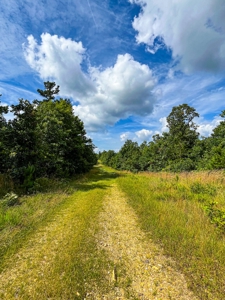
(140, 270)
(91, 247)
(58, 259)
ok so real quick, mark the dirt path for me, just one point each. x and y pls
(140, 269)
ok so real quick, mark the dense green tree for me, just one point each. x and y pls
(21, 140)
(64, 147)
(44, 138)
(4, 151)
(130, 154)
(107, 157)
(182, 129)
(144, 157)
(219, 132)
(159, 150)
(215, 155)
(176, 150)
(183, 136)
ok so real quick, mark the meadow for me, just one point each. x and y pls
(184, 213)
(47, 240)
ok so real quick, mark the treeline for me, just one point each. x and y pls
(179, 149)
(43, 139)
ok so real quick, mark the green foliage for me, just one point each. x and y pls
(216, 215)
(217, 157)
(171, 151)
(177, 150)
(50, 90)
(44, 138)
(6, 185)
(29, 177)
(199, 188)
(65, 150)
(130, 154)
(182, 136)
(179, 165)
(3, 140)
(215, 154)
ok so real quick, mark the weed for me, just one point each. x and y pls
(217, 216)
(199, 188)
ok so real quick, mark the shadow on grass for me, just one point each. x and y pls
(88, 187)
(97, 178)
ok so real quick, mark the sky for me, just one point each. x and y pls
(124, 64)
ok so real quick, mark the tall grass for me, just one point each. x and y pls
(173, 210)
(18, 222)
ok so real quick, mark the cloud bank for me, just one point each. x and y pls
(193, 30)
(104, 96)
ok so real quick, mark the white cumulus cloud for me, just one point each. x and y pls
(122, 90)
(125, 136)
(59, 59)
(193, 29)
(205, 128)
(144, 134)
(104, 96)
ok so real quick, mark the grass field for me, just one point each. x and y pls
(48, 246)
(185, 214)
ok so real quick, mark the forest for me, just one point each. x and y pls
(180, 149)
(43, 139)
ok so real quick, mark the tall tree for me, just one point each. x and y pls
(22, 140)
(44, 138)
(50, 91)
(130, 154)
(64, 147)
(182, 132)
(4, 151)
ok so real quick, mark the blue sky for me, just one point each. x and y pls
(124, 63)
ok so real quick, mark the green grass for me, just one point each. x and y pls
(76, 263)
(171, 209)
(183, 213)
(18, 222)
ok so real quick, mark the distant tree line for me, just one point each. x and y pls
(179, 149)
(43, 139)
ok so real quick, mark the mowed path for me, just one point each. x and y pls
(48, 266)
(140, 271)
(136, 268)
